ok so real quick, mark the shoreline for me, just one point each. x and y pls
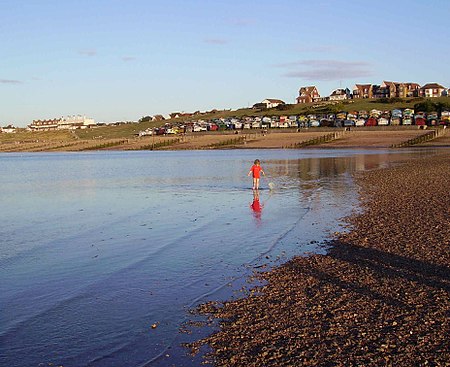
(252, 139)
(379, 297)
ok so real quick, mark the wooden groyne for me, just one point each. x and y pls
(431, 135)
(319, 140)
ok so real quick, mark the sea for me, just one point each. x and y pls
(104, 255)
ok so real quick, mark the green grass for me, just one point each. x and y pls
(27, 136)
(128, 131)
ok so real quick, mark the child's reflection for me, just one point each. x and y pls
(256, 206)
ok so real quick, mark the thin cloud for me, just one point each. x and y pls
(216, 41)
(317, 49)
(128, 58)
(89, 53)
(10, 81)
(326, 70)
(241, 22)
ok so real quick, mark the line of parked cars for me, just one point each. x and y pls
(373, 117)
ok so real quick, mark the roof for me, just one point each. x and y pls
(271, 100)
(363, 86)
(339, 92)
(308, 89)
(433, 85)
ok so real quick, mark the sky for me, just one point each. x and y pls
(120, 60)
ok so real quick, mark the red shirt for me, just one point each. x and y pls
(256, 171)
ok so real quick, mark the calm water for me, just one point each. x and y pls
(95, 248)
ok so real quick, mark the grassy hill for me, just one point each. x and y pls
(128, 131)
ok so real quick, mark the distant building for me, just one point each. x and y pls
(398, 89)
(45, 125)
(363, 91)
(432, 90)
(307, 94)
(70, 123)
(272, 103)
(340, 95)
(10, 129)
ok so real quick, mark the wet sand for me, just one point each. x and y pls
(380, 297)
(377, 137)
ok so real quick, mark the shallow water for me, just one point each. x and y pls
(98, 247)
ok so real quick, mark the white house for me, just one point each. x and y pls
(76, 122)
(271, 103)
(8, 129)
(340, 94)
(432, 90)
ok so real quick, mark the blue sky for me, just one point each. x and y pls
(123, 59)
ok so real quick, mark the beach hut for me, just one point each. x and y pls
(371, 121)
(432, 119)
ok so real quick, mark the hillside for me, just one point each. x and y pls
(125, 136)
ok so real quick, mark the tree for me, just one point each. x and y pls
(145, 119)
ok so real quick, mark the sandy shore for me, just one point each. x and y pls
(245, 139)
(380, 297)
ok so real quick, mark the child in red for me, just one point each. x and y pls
(256, 171)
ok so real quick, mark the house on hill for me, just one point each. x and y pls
(409, 90)
(397, 89)
(272, 103)
(433, 90)
(69, 122)
(269, 103)
(340, 94)
(10, 129)
(307, 94)
(363, 91)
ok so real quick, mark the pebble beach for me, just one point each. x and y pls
(379, 297)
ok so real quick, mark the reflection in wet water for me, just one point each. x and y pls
(256, 206)
(96, 248)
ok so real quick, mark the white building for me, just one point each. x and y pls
(8, 129)
(76, 122)
(70, 122)
(272, 103)
(340, 94)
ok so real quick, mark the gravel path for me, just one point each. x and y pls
(380, 297)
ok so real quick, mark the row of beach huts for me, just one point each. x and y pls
(341, 119)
